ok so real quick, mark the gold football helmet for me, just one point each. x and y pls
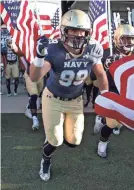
(9, 41)
(75, 19)
(124, 38)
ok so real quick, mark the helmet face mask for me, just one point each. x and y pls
(78, 22)
(74, 41)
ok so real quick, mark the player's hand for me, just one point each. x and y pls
(42, 45)
(95, 52)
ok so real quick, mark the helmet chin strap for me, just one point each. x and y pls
(130, 49)
(125, 51)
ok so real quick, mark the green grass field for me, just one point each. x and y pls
(72, 169)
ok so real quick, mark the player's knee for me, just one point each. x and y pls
(33, 100)
(75, 139)
(111, 123)
(7, 82)
(70, 144)
(53, 140)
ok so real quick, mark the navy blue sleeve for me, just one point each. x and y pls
(49, 57)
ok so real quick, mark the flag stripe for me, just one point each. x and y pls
(113, 107)
(119, 67)
(119, 99)
(130, 92)
(120, 62)
(114, 115)
(124, 80)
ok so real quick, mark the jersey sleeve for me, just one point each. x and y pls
(51, 51)
(49, 56)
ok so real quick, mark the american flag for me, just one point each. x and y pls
(22, 25)
(98, 16)
(119, 107)
(50, 27)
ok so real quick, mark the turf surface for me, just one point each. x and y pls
(72, 169)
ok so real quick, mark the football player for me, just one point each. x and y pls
(12, 68)
(69, 61)
(34, 90)
(124, 44)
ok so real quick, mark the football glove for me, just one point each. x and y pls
(41, 48)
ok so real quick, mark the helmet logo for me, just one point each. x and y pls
(79, 26)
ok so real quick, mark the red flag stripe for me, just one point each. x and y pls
(98, 26)
(124, 80)
(120, 62)
(108, 106)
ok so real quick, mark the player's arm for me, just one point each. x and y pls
(40, 67)
(97, 54)
(17, 50)
(101, 77)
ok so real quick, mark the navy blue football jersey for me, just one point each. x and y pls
(11, 56)
(68, 72)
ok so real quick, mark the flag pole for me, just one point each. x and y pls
(38, 17)
(109, 24)
(129, 15)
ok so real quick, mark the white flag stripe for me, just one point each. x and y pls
(47, 31)
(22, 35)
(27, 30)
(4, 13)
(97, 21)
(120, 70)
(101, 29)
(112, 105)
(8, 25)
(45, 22)
(130, 92)
(31, 41)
